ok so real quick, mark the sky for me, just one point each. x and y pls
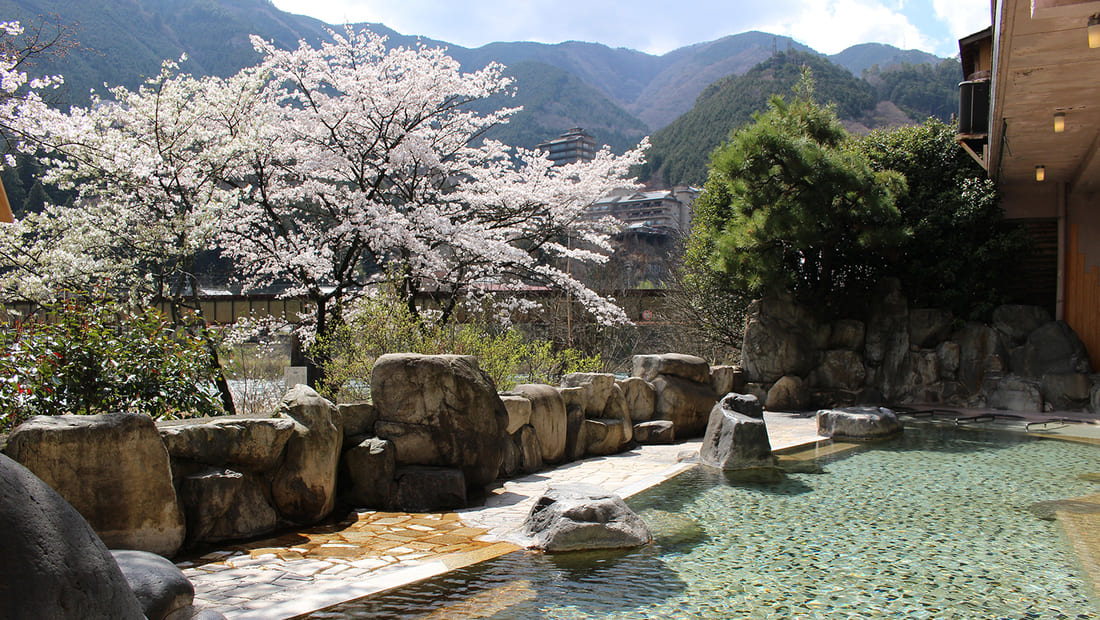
(659, 26)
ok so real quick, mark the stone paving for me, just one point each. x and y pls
(372, 551)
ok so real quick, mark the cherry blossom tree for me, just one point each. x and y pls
(368, 166)
(148, 169)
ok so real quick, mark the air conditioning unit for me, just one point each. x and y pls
(974, 107)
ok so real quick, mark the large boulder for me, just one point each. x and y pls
(980, 351)
(596, 388)
(425, 489)
(54, 564)
(1013, 393)
(604, 437)
(530, 449)
(617, 409)
(222, 504)
(655, 432)
(519, 411)
(641, 400)
(1053, 349)
(440, 410)
(370, 466)
(737, 437)
(788, 394)
(689, 367)
(948, 355)
(685, 403)
(1017, 322)
(780, 339)
(886, 346)
(929, 326)
(304, 486)
(576, 443)
(847, 334)
(159, 586)
(114, 469)
(840, 369)
(1067, 391)
(726, 379)
(580, 517)
(253, 444)
(357, 418)
(548, 418)
(857, 423)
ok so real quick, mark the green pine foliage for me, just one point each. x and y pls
(791, 206)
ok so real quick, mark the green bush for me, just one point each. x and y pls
(382, 324)
(96, 356)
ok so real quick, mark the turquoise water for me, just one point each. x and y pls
(934, 524)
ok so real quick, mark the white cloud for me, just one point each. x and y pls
(963, 17)
(830, 27)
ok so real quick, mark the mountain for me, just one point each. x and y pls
(907, 94)
(553, 99)
(866, 55)
(618, 94)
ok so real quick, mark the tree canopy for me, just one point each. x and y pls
(790, 206)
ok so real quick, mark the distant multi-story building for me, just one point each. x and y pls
(666, 211)
(570, 147)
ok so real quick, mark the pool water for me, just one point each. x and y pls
(934, 524)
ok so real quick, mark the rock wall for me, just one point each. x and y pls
(1023, 361)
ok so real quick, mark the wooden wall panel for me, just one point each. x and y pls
(1083, 298)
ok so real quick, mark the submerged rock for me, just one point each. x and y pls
(579, 517)
(857, 423)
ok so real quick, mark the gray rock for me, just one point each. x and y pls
(726, 379)
(371, 465)
(689, 367)
(655, 432)
(788, 394)
(685, 403)
(358, 418)
(222, 504)
(744, 404)
(304, 486)
(857, 423)
(617, 409)
(597, 389)
(113, 468)
(1094, 395)
(1017, 322)
(779, 340)
(1013, 393)
(734, 440)
(759, 390)
(252, 444)
(1069, 391)
(579, 517)
(980, 352)
(576, 443)
(604, 436)
(926, 367)
(928, 327)
(847, 334)
(948, 354)
(641, 399)
(530, 449)
(887, 343)
(510, 464)
(54, 564)
(672, 528)
(1054, 349)
(424, 489)
(548, 418)
(440, 410)
(194, 613)
(840, 369)
(159, 586)
(519, 411)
